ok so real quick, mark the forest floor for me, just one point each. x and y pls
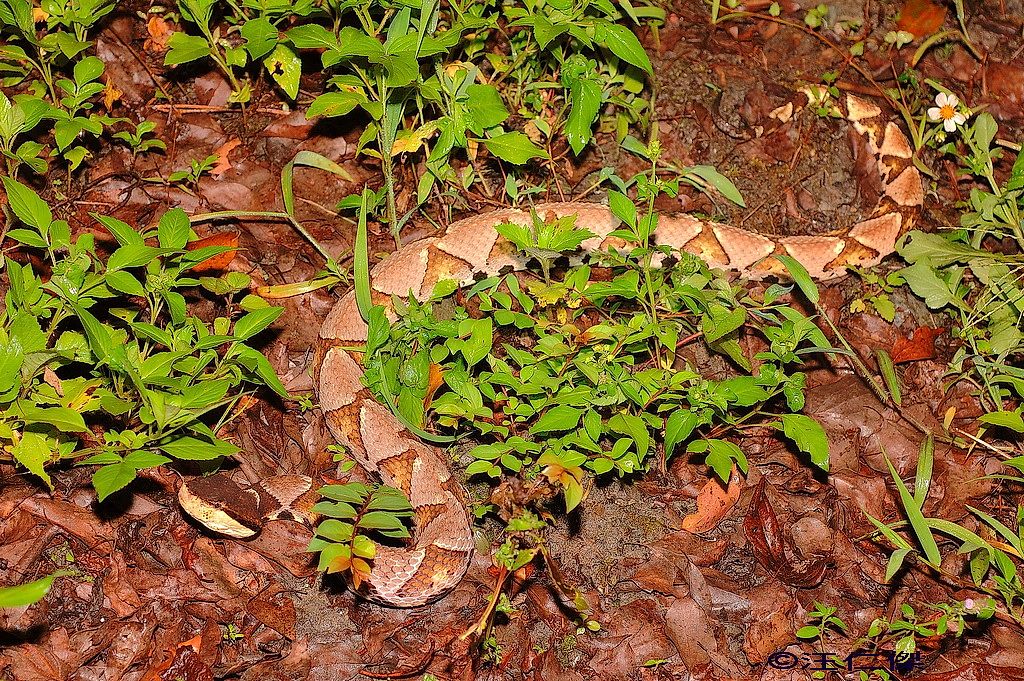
(165, 601)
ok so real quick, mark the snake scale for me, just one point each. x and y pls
(438, 555)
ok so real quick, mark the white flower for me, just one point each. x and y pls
(945, 110)
(969, 604)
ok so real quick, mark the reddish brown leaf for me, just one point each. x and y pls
(921, 346)
(159, 33)
(217, 262)
(434, 381)
(772, 547)
(223, 164)
(921, 17)
(713, 503)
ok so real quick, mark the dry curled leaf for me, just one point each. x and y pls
(159, 33)
(223, 164)
(713, 503)
(769, 544)
(111, 95)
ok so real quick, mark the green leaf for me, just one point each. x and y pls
(260, 366)
(174, 229)
(11, 359)
(635, 428)
(121, 231)
(800, 276)
(27, 205)
(335, 104)
(190, 448)
(721, 455)
(111, 478)
(514, 147)
(720, 182)
(134, 255)
(382, 520)
(125, 282)
(256, 321)
(286, 68)
(926, 283)
(260, 37)
(481, 336)
(809, 437)
(1004, 419)
(485, 106)
(33, 452)
(30, 592)
(312, 36)
(623, 44)
(185, 48)
(917, 520)
(558, 418)
(61, 418)
(584, 102)
(361, 259)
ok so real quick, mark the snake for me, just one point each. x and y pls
(439, 552)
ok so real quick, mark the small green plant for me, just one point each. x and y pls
(430, 65)
(981, 289)
(992, 565)
(898, 39)
(230, 633)
(102, 364)
(354, 513)
(256, 23)
(137, 140)
(876, 291)
(817, 17)
(68, 82)
(189, 177)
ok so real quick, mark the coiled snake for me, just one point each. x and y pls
(438, 555)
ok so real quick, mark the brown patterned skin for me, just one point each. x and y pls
(439, 553)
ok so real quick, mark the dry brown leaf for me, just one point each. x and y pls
(435, 380)
(713, 503)
(223, 164)
(110, 95)
(159, 33)
(920, 346)
(217, 262)
(921, 17)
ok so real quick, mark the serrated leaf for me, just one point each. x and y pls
(514, 147)
(111, 478)
(809, 437)
(27, 205)
(33, 452)
(558, 418)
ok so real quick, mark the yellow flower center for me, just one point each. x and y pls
(947, 112)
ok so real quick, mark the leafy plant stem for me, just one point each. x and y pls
(272, 215)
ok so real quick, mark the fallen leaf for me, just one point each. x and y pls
(184, 664)
(110, 95)
(921, 17)
(769, 544)
(713, 503)
(435, 380)
(159, 33)
(920, 346)
(218, 262)
(223, 164)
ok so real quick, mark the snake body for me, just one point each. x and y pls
(438, 555)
